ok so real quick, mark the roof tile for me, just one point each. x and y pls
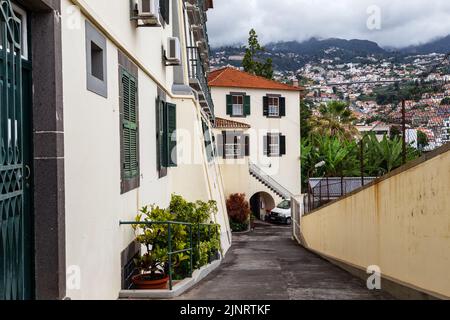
(230, 124)
(231, 77)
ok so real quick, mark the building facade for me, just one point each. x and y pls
(257, 136)
(114, 106)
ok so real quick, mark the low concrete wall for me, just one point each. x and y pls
(400, 223)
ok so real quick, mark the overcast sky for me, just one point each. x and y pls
(402, 22)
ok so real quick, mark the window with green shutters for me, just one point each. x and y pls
(238, 105)
(274, 145)
(130, 128)
(274, 106)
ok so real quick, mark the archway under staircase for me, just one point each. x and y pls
(261, 203)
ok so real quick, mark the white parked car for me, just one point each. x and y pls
(282, 213)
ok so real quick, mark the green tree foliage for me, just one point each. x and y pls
(445, 101)
(422, 140)
(305, 117)
(394, 94)
(252, 62)
(343, 157)
(336, 119)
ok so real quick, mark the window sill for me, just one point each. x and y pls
(274, 117)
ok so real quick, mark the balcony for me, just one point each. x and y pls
(196, 10)
(198, 80)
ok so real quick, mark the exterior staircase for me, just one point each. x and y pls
(269, 182)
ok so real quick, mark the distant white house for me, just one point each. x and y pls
(257, 134)
(380, 130)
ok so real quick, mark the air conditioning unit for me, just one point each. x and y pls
(147, 11)
(173, 51)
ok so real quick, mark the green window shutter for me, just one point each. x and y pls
(225, 140)
(171, 134)
(247, 107)
(161, 138)
(164, 8)
(229, 104)
(130, 146)
(164, 137)
(266, 106)
(282, 107)
(247, 145)
(282, 145)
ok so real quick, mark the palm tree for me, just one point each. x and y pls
(336, 119)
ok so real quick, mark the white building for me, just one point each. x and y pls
(112, 119)
(257, 136)
(380, 130)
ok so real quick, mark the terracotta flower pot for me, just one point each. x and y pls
(142, 281)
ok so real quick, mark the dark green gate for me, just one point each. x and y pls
(14, 166)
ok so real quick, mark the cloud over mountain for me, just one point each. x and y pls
(402, 23)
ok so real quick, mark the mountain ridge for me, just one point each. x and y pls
(292, 55)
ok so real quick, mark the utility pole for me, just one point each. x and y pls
(404, 132)
(361, 159)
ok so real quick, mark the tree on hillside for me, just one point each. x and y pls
(252, 62)
(305, 117)
(445, 101)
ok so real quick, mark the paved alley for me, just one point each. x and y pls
(267, 264)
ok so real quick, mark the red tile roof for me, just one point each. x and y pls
(231, 77)
(230, 124)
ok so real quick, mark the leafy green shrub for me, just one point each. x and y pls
(205, 238)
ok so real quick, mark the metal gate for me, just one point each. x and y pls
(14, 260)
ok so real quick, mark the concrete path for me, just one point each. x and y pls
(267, 264)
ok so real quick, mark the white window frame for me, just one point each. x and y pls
(238, 108)
(232, 150)
(274, 109)
(274, 144)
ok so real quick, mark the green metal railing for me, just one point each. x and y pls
(169, 240)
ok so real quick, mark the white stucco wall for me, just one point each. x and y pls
(93, 203)
(285, 169)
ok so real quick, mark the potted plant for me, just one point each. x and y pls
(153, 263)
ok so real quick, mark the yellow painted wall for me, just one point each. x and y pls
(401, 224)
